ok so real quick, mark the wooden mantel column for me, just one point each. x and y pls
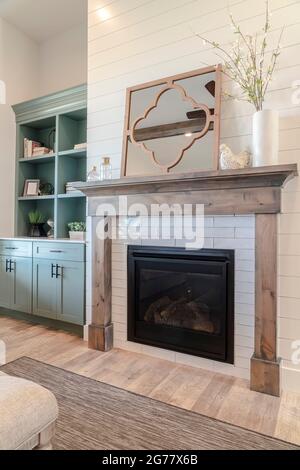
(265, 366)
(101, 328)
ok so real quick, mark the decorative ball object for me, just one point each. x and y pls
(230, 161)
(46, 189)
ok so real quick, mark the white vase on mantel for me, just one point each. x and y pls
(265, 143)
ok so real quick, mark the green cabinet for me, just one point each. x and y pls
(59, 282)
(71, 293)
(46, 279)
(16, 283)
(45, 289)
(6, 283)
(21, 271)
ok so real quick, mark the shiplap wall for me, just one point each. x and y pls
(149, 39)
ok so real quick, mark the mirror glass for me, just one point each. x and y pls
(171, 128)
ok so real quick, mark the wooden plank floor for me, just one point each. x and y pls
(219, 396)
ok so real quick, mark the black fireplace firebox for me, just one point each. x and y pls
(182, 300)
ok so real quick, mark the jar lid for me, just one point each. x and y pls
(106, 160)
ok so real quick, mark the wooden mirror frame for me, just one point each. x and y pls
(169, 83)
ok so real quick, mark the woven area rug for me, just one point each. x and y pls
(97, 416)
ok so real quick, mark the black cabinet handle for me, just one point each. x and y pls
(56, 251)
(10, 248)
(9, 266)
(57, 274)
(52, 270)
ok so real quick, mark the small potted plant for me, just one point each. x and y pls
(77, 230)
(37, 222)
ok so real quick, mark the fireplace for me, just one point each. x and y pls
(182, 300)
(254, 191)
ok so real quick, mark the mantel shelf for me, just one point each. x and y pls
(258, 177)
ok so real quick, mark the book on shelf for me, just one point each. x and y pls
(39, 151)
(29, 147)
(70, 189)
(82, 146)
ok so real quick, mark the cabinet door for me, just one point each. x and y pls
(44, 288)
(22, 284)
(6, 284)
(71, 292)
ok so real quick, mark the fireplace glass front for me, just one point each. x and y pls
(182, 300)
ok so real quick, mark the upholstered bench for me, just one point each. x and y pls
(28, 413)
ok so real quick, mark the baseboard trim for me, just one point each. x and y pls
(86, 332)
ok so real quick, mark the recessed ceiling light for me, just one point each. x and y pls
(103, 14)
(188, 134)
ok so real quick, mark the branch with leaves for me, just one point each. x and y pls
(246, 63)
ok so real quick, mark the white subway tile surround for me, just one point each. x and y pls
(148, 40)
(244, 290)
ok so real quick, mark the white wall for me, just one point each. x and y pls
(18, 62)
(148, 40)
(31, 70)
(63, 60)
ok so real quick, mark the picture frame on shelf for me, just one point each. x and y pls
(31, 188)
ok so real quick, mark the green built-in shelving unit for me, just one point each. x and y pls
(59, 121)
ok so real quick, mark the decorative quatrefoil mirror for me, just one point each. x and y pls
(173, 125)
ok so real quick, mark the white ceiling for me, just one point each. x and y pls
(42, 19)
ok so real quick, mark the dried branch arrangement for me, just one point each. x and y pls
(246, 62)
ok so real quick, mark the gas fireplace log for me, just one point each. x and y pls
(181, 313)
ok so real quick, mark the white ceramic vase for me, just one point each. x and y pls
(265, 144)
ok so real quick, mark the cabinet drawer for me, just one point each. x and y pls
(59, 251)
(15, 248)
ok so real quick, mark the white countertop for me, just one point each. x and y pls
(42, 239)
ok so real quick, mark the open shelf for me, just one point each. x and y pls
(42, 130)
(26, 205)
(72, 129)
(69, 210)
(70, 195)
(37, 170)
(59, 122)
(71, 168)
(39, 160)
(35, 198)
(73, 153)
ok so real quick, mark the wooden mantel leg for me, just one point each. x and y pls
(101, 329)
(265, 366)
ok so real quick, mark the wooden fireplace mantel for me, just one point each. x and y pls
(269, 176)
(248, 191)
